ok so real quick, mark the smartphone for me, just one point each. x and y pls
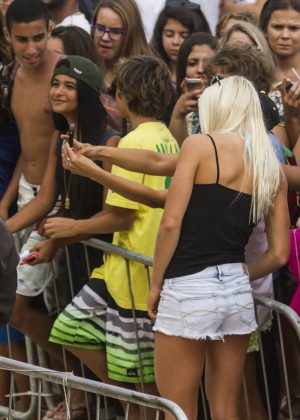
(288, 85)
(29, 257)
(71, 134)
(193, 83)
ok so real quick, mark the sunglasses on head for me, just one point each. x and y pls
(216, 79)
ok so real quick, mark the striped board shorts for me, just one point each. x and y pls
(93, 320)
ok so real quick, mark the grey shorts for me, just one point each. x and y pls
(210, 304)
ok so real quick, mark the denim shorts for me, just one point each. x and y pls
(210, 304)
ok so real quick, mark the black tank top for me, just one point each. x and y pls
(215, 228)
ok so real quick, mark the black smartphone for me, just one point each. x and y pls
(71, 134)
(288, 86)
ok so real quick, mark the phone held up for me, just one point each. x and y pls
(288, 85)
(193, 83)
(71, 134)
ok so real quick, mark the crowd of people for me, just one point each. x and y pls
(180, 143)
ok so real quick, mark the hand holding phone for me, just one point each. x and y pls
(28, 257)
(288, 85)
(71, 134)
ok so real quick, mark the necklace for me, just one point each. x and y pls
(67, 185)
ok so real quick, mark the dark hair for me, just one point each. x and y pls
(146, 85)
(189, 19)
(26, 11)
(77, 41)
(91, 121)
(243, 60)
(91, 124)
(271, 6)
(198, 38)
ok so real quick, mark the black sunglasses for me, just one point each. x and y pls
(216, 79)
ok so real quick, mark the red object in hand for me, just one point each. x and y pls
(29, 257)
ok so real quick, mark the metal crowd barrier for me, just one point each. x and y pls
(69, 382)
(100, 389)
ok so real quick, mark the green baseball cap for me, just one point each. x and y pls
(80, 68)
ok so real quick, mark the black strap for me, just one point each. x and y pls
(217, 159)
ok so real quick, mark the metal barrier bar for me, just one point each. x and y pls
(278, 307)
(98, 388)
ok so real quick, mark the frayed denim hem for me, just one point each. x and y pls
(195, 336)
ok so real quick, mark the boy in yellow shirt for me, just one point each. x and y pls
(98, 325)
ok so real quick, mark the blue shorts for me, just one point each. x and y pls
(210, 304)
(14, 334)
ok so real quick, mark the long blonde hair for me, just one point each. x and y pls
(233, 107)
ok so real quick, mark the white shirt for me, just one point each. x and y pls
(77, 19)
(149, 10)
(211, 10)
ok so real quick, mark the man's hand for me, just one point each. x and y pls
(60, 227)
(46, 251)
(85, 149)
(77, 163)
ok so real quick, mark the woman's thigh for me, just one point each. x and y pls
(179, 366)
(224, 367)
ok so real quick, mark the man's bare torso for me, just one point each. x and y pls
(31, 108)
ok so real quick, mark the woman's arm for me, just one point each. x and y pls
(83, 166)
(187, 102)
(233, 6)
(278, 236)
(40, 206)
(292, 174)
(111, 142)
(176, 204)
(145, 161)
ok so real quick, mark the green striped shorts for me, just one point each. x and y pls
(93, 320)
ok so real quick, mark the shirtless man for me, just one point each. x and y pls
(27, 29)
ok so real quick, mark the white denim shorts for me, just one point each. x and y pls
(210, 304)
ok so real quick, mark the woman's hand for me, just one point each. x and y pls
(85, 149)
(186, 103)
(60, 227)
(291, 100)
(76, 162)
(153, 301)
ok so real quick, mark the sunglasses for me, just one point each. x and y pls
(115, 34)
(216, 79)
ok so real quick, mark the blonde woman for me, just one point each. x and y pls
(248, 33)
(227, 180)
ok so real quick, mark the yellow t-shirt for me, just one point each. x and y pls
(142, 235)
